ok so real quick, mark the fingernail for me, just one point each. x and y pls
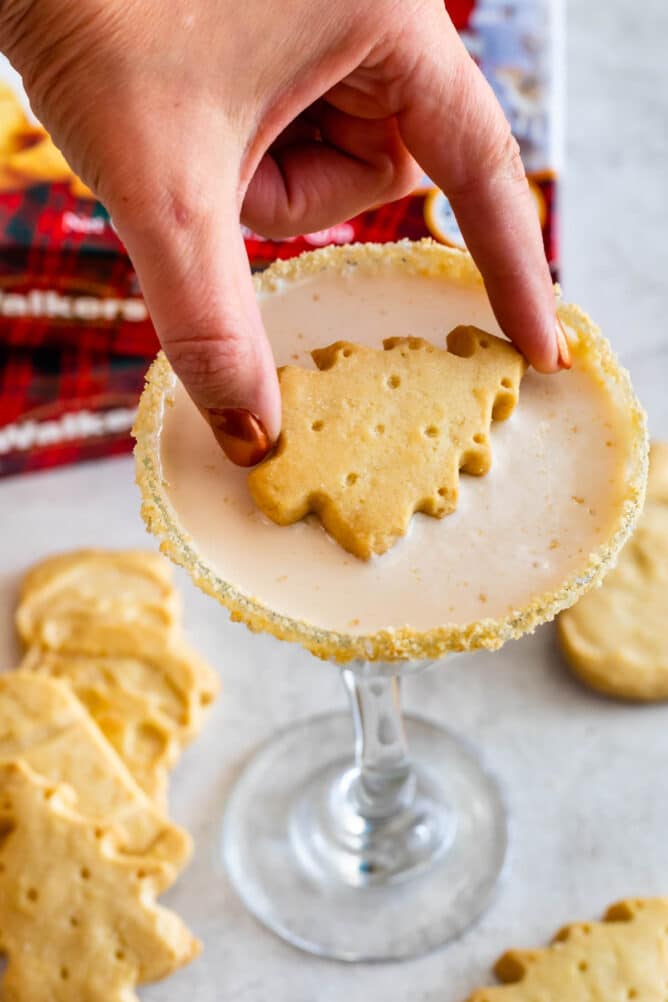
(240, 434)
(563, 349)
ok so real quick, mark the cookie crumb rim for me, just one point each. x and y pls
(429, 259)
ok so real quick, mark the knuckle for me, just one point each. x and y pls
(508, 160)
(209, 364)
(275, 211)
(163, 208)
(277, 223)
(400, 177)
(497, 158)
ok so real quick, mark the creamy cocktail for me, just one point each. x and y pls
(561, 480)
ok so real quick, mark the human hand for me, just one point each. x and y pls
(185, 116)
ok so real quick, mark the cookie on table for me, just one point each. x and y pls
(621, 958)
(370, 437)
(615, 639)
(43, 724)
(99, 602)
(149, 707)
(78, 919)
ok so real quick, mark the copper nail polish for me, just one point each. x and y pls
(241, 435)
(563, 347)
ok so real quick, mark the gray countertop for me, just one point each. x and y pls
(583, 777)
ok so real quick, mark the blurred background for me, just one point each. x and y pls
(615, 218)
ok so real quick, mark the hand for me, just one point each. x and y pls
(186, 115)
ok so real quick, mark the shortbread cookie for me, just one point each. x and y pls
(615, 638)
(99, 602)
(371, 437)
(149, 707)
(43, 724)
(623, 957)
(78, 920)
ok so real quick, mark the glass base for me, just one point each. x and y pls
(334, 883)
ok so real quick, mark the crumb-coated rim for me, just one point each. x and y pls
(425, 258)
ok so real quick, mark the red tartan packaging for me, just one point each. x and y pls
(75, 338)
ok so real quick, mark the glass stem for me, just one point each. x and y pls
(384, 784)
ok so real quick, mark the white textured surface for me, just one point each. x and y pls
(615, 200)
(584, 778)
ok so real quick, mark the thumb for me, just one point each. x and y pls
(192, 266)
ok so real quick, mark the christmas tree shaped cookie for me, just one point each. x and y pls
(371, 437)
(78, 921)
(623, 957)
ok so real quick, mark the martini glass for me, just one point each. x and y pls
(366, 837)
(349, 845)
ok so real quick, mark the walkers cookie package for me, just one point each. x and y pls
(75, 336)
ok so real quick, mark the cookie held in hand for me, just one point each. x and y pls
(623, 957)
(90, 910)
(371, 437)
(615, 638)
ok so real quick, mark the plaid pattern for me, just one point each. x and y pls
(36, 218)
(68, 387)
(55, 243)
(81, 450)
(65, 405)
(51, 287)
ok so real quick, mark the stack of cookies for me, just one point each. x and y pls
(105, 699)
